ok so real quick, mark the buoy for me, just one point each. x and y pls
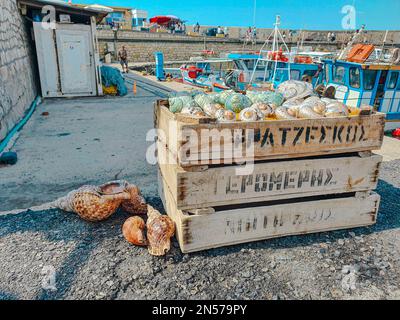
(8, 158)
(396, 133)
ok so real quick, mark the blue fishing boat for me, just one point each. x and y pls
(357, 79)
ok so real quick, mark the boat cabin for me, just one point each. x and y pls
(372, 84)
(250, 65)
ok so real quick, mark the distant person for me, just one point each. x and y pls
(254, 35)
(333, 37)
(329, 36)
(219, 30)
(197, 27)
(123, 59)
(226, 31)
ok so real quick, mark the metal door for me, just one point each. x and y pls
(75, 57)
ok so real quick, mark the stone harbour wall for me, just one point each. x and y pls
(17, 74)
(142, 45)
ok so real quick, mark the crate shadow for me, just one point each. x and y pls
(55, 226)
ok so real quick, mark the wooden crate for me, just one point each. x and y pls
(230, 225)
(208, 186)
(281, 139)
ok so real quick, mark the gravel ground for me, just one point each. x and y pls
(55, 255)
(93, 261)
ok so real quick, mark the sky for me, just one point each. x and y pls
(295, 14)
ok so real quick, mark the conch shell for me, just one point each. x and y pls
(281, 113)
(95, 203)
(263, 110)
(336, 109)
(211, 108)
(133, 231)
(136, 203)
(307, 112)
(160, 229)
(248, 114)
(223, 115)
(294, 89)
(193, 111)
(316, 104)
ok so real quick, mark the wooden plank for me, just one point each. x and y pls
(267, 181)
(200, 232)
(201, 143)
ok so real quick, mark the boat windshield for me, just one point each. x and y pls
(355, 78)
(339, 75)
(393, 80)
(369, 79)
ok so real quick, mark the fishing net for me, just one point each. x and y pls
(237, 102)
(112, 77)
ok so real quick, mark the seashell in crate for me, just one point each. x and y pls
(193, 111)
(248, 114)
(294, 89)
(336, 109)
(211, 108)
(223, 115)
(317, 104)
(305, 111)
(160, 229)
(282, 113)
(263, 110)
(133, 230)
(94, 203)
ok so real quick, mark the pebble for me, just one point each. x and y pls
(340, 242)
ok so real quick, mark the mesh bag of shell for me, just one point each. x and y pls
(291, 100)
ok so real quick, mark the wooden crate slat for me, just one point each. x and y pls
(200, 232)
(226, 185)
(272, 139)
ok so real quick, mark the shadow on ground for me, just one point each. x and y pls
(57, 225)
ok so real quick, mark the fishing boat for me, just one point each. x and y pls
(207, 74)
(275, 63)
(363, 75)
(253, 70)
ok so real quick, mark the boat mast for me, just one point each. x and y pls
(277, 38)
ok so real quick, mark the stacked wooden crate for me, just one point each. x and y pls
(308, 175)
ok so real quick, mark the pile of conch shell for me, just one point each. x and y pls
(160, 229)
(291, 100)
(97, 203)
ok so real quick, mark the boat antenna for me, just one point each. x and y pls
(381, 55)
(254, 13)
